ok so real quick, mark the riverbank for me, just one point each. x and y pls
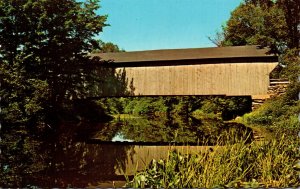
(263, 164)
(268, 161)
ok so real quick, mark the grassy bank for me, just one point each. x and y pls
(258, 164)
(268, 163)
(277, 115)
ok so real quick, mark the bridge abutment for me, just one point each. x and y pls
(276, 88)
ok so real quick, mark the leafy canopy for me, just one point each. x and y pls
(44, 46)
(263, 22)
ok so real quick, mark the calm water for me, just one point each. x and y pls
(158, 131)
(88, 154)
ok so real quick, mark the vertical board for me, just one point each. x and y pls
(198, 81)
(232, 79)
(185, 78)
(191, 70)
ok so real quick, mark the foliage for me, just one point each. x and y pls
(145, 105)
(179, 129)
(265, 23)
(227, 107)
(20, 156)
(50, 39)
(291, 61)
(44, 67)
(22, 99)
(43, 52)
(216, 107)
(274, 24)
(278, 112)
(268, 164)
(291, 9)
(275, 113)
(103, 47)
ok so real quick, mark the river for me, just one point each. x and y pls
(99, 154)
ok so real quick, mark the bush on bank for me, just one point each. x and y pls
(267, 164)
(281, 112)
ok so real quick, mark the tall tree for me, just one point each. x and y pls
(257, 23)
(291, 9)
(264, 22)
(275, 24)
(51, 39)
(46, 42)
(44, 62)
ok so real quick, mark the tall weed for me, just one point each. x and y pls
(258, 164)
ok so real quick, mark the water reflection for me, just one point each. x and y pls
(87, 154)
(71, 162)
(119, 137)
(178, 130)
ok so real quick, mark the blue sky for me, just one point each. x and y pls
(164, 24)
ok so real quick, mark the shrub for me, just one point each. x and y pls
(267, 164)
(277, 112)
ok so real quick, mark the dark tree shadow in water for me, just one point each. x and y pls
(79, 164)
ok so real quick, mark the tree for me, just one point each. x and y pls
(44, 46)
(264, 22)
(257, 23)
(275, 24)
(51, 39)
(103, 47)
(291, 9)
(44, 63)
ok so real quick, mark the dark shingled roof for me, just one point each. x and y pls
(186, 54)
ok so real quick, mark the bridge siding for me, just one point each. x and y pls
(232, 79)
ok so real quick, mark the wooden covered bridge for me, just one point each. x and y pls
(229, 71)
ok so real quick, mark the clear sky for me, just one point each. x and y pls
(164, 24)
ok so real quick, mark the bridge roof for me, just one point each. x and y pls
(187, 54)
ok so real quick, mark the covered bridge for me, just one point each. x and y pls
(230, 71)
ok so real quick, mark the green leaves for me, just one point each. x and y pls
(257, 24)
(265, 164)
(49, 40)
(43, 64)
(274, 24)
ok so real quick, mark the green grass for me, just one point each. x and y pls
(277, 112)
(125, 116)
(200, 114)
(258, 164)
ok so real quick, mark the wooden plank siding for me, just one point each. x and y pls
(237, 79)
(230, 71)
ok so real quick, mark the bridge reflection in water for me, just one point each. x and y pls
(84, 155)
